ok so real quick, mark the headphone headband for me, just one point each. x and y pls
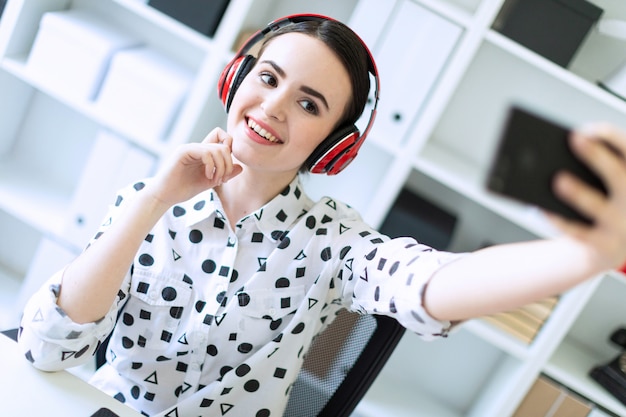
(340, 148)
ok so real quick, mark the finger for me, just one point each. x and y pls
(216, 135)
(209, 165)
(601, 156)
(585, 199)
(607, 133)
(568, 227)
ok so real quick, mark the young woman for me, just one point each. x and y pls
(215, 275)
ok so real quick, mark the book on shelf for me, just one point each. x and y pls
(547, 398)
(524, 322)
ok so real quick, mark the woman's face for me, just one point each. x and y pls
(288, 104)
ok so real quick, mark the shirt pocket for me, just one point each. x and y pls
(157, 304)
(270, 303)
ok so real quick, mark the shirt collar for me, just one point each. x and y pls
(273, 219)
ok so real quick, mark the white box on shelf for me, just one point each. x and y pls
(143, 92)
(72, 51)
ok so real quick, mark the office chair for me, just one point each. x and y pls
(339, 368)
(342, 364)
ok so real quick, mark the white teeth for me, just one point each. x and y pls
(262, 132)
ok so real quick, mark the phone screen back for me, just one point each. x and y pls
(532, 150)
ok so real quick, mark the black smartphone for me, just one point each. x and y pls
(532, 149)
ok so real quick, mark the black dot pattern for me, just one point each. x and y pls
(217, 321)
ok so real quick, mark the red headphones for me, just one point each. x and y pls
(341, 146)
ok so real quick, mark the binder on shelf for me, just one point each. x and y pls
(412, 54)
(524, 322)
(413, 215)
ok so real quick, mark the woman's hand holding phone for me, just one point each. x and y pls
(601, 147)
(577, 176)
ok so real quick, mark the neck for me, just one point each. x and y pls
(249, 191)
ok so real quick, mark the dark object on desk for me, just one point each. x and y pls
(531, 151)
(612, 376)
(413, 215)
(201, 15)
(104, 412)
(554, 29)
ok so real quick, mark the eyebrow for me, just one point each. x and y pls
(304, 88)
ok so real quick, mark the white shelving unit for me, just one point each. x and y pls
(437, 143)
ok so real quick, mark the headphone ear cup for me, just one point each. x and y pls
(232, 77)
(335, 150)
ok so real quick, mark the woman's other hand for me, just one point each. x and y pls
(195, 167)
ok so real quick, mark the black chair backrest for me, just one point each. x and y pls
(342, 364)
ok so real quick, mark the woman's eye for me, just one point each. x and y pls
(309, 106)
(268, 79)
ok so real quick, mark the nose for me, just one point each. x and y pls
(274, 104)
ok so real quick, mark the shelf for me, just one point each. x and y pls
(498, 338)
(570, 366)
(460, 175)
(391, 400)
(575, 81)
(36, 180)
(596, 321)
(439, 378)
(33, 200)
(16, 66)
(457, 11)
(260, 12)
(175, 29)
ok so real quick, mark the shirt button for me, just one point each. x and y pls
(272, 311)
(153, 295)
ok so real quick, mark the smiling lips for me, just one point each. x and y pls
(262, 132)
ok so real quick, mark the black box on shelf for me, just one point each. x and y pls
(201, 15)
(414, 216)
(554, 29)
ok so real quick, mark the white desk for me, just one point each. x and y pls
(26, 391)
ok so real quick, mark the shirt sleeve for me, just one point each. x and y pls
(48, 337)
(389, 277)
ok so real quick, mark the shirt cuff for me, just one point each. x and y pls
(50, 338)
